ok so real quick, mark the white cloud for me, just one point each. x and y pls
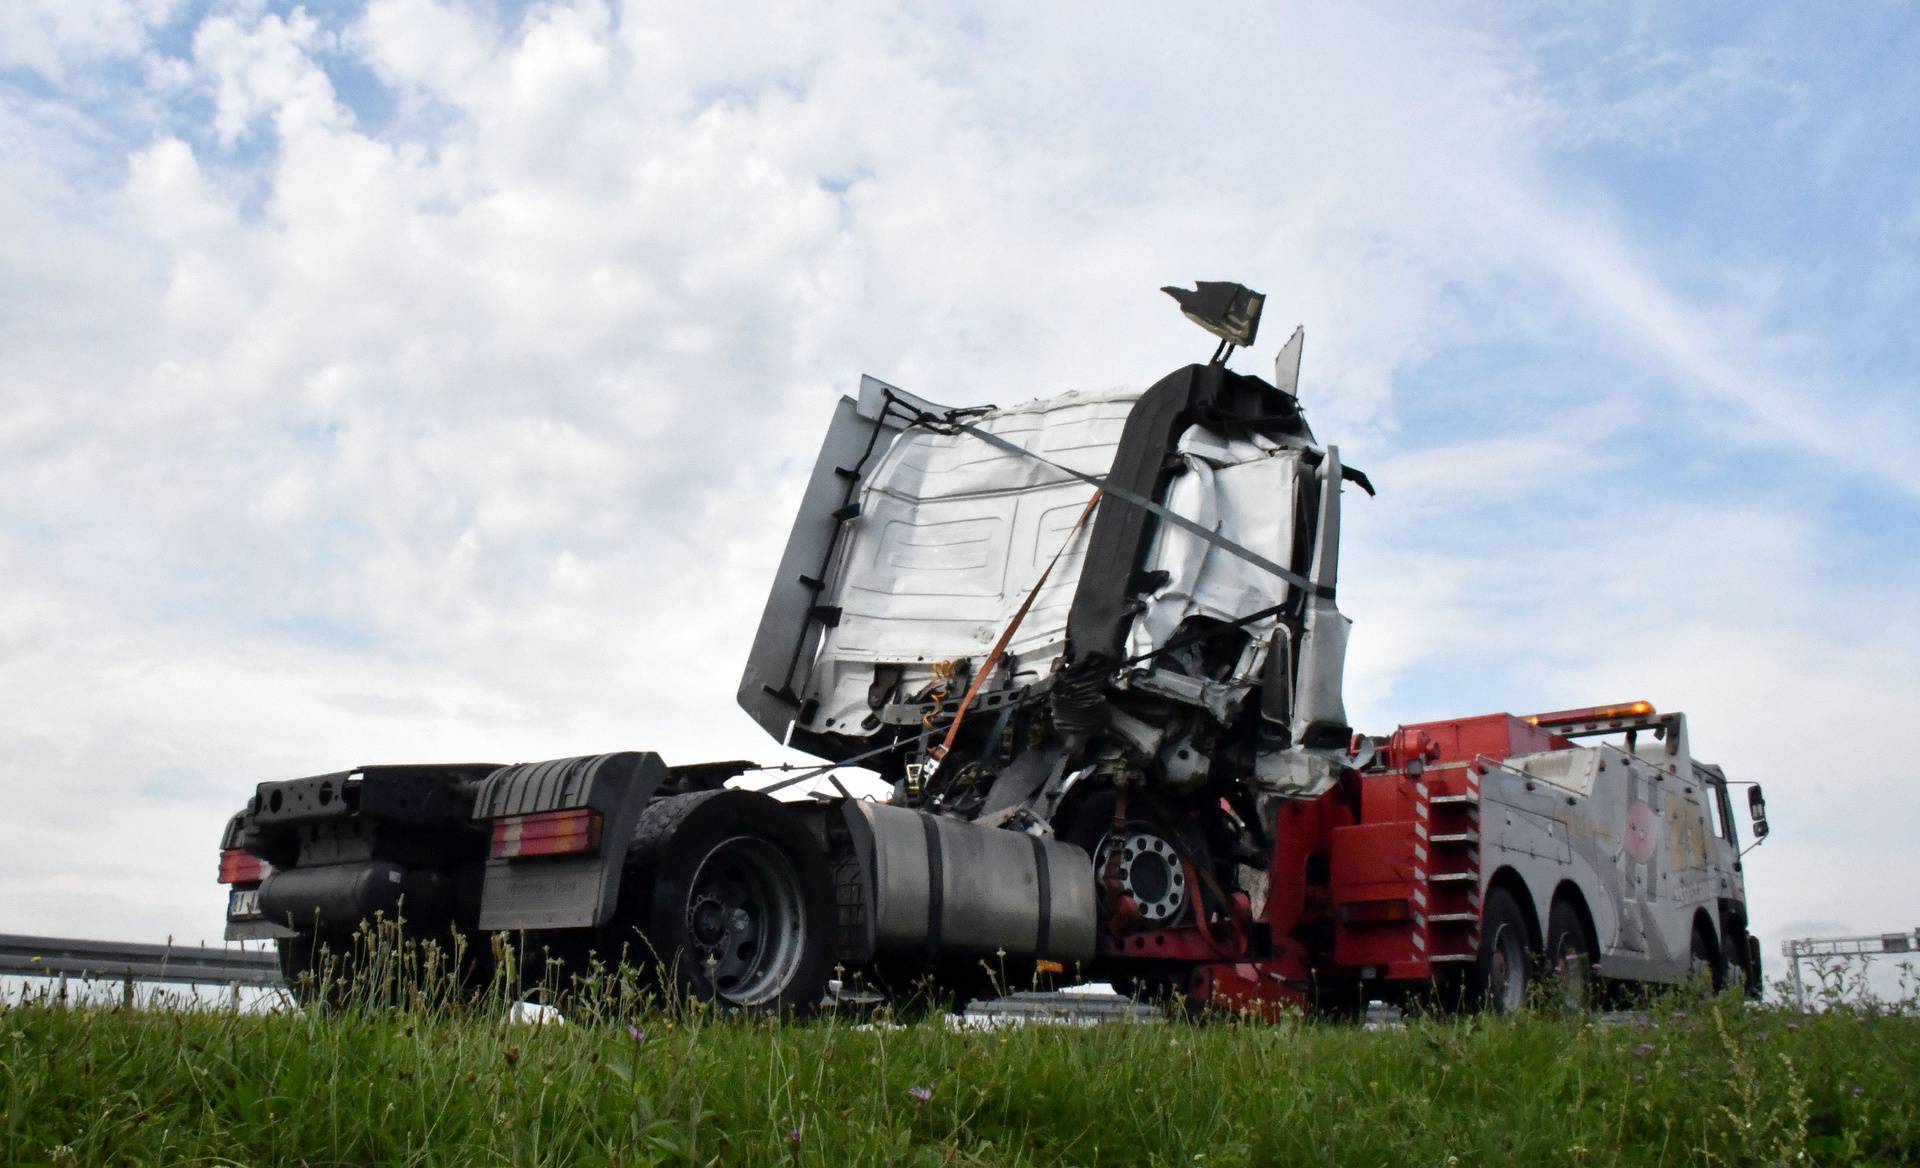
(53, 36)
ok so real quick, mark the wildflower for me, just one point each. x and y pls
(920, 1095)
(1559, 967)
(1644, 1049)
(1679, 1015)
(1792, 1026)
(793, 1137)
(513, 1055)
(1859, 1091)
(1639, 1078)
(637, 1034)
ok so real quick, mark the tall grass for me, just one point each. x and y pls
(405, 1076)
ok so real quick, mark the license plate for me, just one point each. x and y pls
(243, 904)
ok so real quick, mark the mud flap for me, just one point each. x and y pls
(555, 892)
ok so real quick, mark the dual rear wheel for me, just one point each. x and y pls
(1507, 969)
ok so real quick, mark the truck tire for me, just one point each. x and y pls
(1570, 955)
(738, 901)
(1703, 959)
(1505, 971)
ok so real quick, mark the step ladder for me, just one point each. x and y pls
(1446, 867)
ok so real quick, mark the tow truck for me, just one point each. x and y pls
(1091, 646)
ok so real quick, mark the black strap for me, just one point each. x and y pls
(1043, 936)
(936, 880)
(1141, 501)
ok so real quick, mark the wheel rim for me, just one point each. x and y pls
(1507, 973)
(746, 920)
(1572, 963)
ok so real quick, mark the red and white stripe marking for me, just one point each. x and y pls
(1422, 832)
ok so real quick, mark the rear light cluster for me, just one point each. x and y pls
(549, 833)
(238, 867)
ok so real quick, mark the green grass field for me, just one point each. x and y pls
(1695, 1082)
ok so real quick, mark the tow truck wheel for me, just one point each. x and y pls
(1570, 955)
(1703, 959)
(740, 909)
(1505, 969)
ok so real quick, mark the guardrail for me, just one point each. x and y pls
(62, 958)
(67, 957)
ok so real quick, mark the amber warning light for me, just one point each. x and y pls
(1588, 714)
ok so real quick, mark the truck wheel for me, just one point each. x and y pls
(1703, 959)
(1570, 953)
(740, 910)
(1505, 968)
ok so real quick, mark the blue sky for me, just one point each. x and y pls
(425, 379)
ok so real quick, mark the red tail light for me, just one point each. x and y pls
(238, 867)
(549, 833)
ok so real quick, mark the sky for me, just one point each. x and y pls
(433, 381)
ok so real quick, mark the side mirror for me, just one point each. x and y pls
(1757, 808)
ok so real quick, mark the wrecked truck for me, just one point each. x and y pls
(1092, 644)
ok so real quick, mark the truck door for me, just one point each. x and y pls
(1638, 858)
(1688, 853)
(1723, 859)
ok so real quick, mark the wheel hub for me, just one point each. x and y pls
(1151, 873)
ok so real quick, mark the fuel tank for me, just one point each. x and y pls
(949, 886)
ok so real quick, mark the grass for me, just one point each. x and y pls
(1689, 1081)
